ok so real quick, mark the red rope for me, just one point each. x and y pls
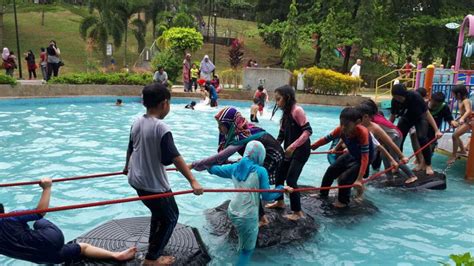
(61, 179)
(327, 152)
(169, 194)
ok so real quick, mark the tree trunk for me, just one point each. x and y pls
(345, 65)
(317, 56)
(125, 45)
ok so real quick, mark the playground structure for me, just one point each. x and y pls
(438, 80)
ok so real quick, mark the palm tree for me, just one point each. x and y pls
(154, 8)
(125, 10)
(99, 27)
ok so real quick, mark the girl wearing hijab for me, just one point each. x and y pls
(206, 68)
(9, 63)
(234, 135)
(248, 173)
(31, 63)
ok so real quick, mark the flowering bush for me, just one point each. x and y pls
(326, 81)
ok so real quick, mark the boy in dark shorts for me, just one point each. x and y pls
(150, 149)
(351, 167)
(44, 244)
(416, 115)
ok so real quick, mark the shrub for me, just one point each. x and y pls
(170, 61)
(4, 79)
(326, 81)
(231, 76)
(180, 40)
(103, 78)
(184, 20)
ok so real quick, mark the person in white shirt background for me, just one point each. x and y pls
(355, 73)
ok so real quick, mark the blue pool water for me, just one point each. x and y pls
(76, 136)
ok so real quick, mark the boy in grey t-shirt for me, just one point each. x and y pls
(151, 148)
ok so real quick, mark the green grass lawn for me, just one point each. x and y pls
(62, 24)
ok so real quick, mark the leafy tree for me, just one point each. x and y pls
(271, 34)
(290, 50)
(183, 20)
(126, 9)
(180, 40)
(269, 10)
(152, 13)
(236, 54)
(99, 28)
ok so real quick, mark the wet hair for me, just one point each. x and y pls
(365, 109)
(2, 210)
(119, 100)
(260, 88)
(422, 91)
(374, 109)
(461, 91)
(408, 59)
(193, 103)
(350, 114)
(155, 94)
(438, 97)
(289, 96)
(399, 90)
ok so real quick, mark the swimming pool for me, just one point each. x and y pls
(63, 137)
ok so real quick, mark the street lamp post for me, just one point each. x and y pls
(215, 36)
(17, 39)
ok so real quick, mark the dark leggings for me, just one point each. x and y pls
(421, 125)
(346, 171)
(53, 69)
(291, 169)
(32, 73)
(164, 217)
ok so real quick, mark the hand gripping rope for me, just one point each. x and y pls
(170, 194)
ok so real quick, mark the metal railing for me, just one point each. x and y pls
(384, 84)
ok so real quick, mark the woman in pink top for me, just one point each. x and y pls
(295, 131)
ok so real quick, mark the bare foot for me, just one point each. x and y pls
(411, 180)
(165, 260)
(276, 205)
(451, 159)
(127, 254)
(263, 221)
(339, 204)
(429, 170)
(295, 216)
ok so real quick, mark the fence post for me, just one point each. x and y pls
(418, 74)
(429, 74)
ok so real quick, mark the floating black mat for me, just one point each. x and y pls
(436, 181)
(281, 231)
(117, 235)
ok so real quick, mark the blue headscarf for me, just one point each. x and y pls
(254, 156)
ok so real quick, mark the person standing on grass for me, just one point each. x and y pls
(187, 73)
(44, 63)
(9, 63)
(53, 60)
(31, 64)
(207, 67)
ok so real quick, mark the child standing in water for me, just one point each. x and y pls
(351, 167)
(248, 173)
(150, 149)
(295, 131)
(254, 111)
(463, 124)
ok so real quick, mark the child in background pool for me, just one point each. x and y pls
(150, 149)
(350, 168)
(118, 102)
(295, 131)
(190, 105)
(248, 173)
(463, 124)
(262, 96)
(254, 111)
(44, 243)
(210, 90)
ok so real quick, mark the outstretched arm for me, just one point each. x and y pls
(180, 164)
(224, 171)
(265, 184)
(43, 203)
